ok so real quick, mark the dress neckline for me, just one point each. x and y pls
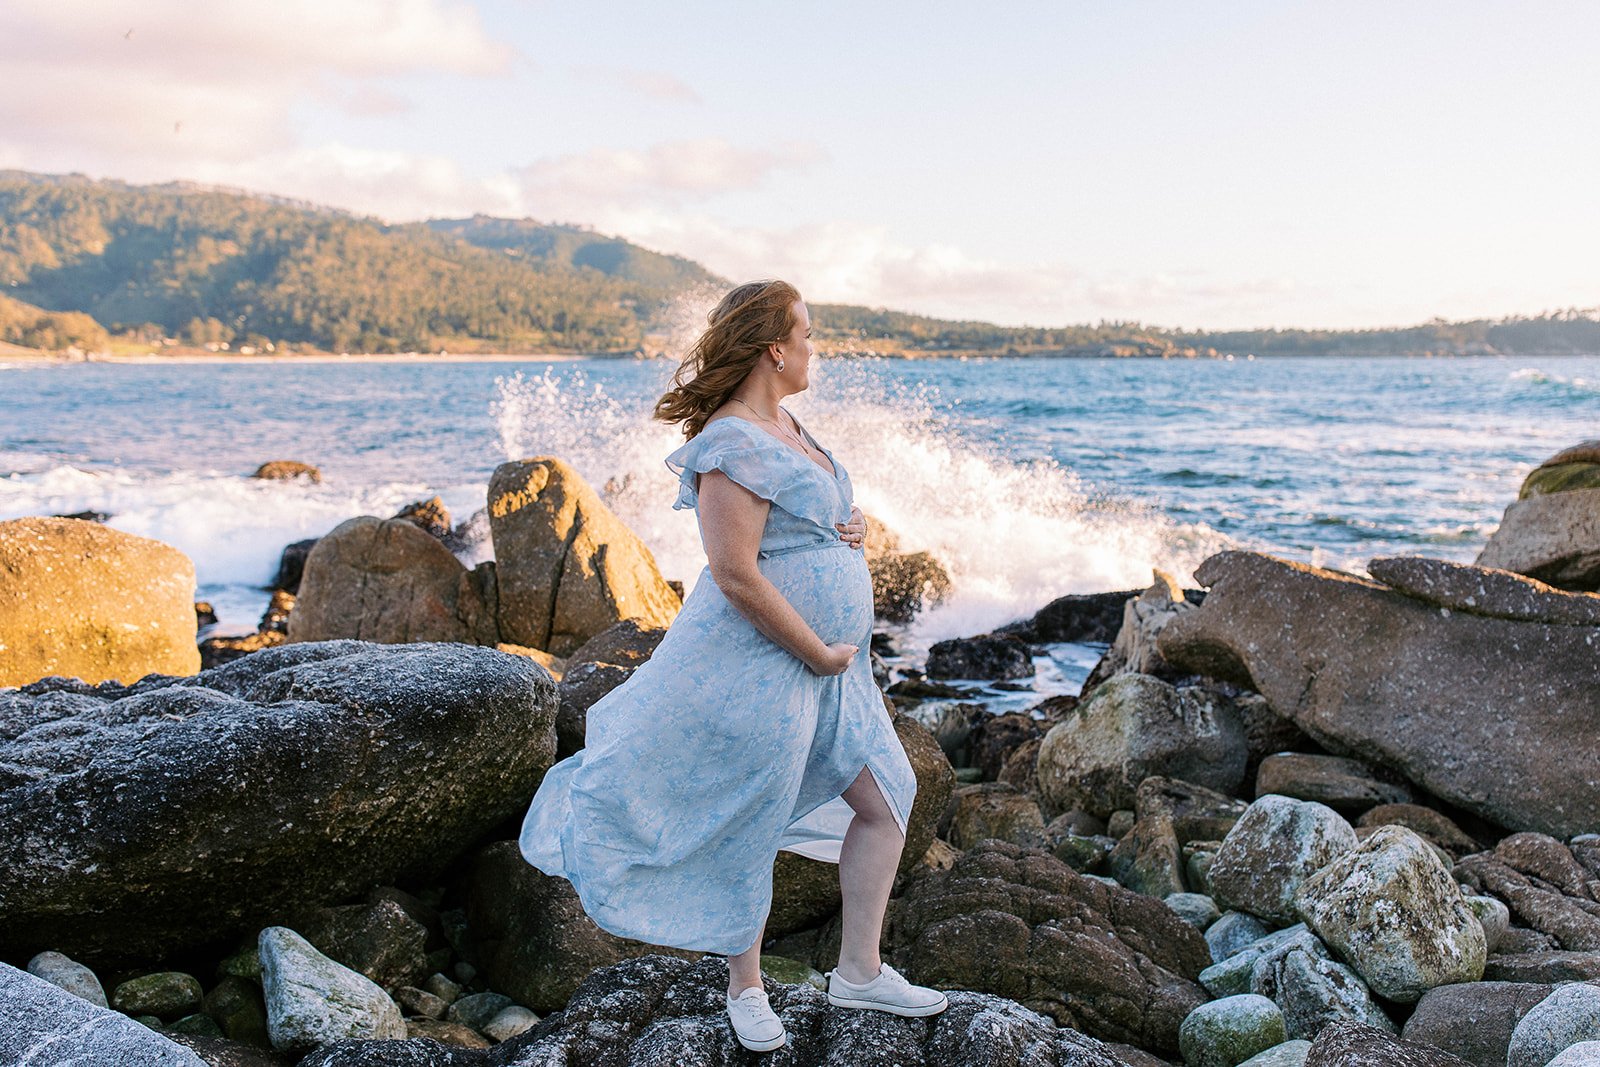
(834, 474)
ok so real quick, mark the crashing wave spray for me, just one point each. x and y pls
(1012, 535)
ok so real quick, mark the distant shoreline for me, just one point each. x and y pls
(10, 353)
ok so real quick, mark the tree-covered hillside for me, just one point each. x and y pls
(209, 265)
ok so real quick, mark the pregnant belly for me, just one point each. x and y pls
(830, 587)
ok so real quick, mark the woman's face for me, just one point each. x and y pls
(796, 349)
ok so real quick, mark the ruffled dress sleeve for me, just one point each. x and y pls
(767, 468)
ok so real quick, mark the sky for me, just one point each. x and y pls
(1184, 164)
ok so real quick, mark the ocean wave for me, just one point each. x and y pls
(233, 527)
(1558, 383)
(1013, 534)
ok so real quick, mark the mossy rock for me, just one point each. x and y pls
(1560, 478)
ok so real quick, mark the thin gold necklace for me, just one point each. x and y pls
(786, 433)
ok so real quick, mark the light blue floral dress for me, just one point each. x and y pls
(723, 747)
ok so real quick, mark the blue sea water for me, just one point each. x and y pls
(1028, 478)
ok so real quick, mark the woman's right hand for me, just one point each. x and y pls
(837, 660)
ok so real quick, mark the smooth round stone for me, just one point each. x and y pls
(443, 988)
(476, 1010)
(1493, 916)
(1583, 1054)
(1234, 931)
(312, 1000)
(246, 963)
(70, 975)
(510, 1022)
(1569, 1016)
(1227, 1032)
(1196, 909)
(415, 1001)
(165, 994)
(1288, 1054)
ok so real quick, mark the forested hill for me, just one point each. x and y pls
(80, 257)
(215, 265)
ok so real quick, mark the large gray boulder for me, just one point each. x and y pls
(657, 1009)
(567, 567)
(1554, 537)
(1275, 846)
(82, 600)
(1226, 1032)
(389, 581)
(42, 1025)
(137, 821)
(1353, 1044)
(1313, 990)
(1570, 1014)
(1395, 681)
(1473, 1020)
(1130, 728)
(1392, 911)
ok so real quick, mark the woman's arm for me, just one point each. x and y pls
(731, 521)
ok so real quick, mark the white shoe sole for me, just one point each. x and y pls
(897, 1009)
(762, 1046)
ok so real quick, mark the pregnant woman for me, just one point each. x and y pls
(756, 725)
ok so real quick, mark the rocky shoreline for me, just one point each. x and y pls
(1295, 817)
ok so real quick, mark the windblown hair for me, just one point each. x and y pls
(741, 327)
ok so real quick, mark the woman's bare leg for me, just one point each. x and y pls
(867, 862)
(744, 970)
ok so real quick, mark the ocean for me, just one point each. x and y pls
(1029, 478)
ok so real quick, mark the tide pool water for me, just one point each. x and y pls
(1028, 478)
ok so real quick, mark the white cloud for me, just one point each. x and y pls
(840, 263)
(653, 84)
(182, 81)
(662, 177)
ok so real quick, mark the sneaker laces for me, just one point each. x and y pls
(892, 977)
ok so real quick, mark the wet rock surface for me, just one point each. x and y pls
(135, 821)
(1020, 923)
(1422, 690)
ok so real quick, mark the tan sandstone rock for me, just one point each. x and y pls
(568, 568)
(388, 581)
(82, 600)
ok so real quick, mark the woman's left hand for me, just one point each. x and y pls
(854, 532)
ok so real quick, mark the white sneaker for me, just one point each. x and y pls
(889, 991)
(754, 1023)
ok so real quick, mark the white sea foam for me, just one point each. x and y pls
(1566, 383)
(234, 528)
(1012, 535)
